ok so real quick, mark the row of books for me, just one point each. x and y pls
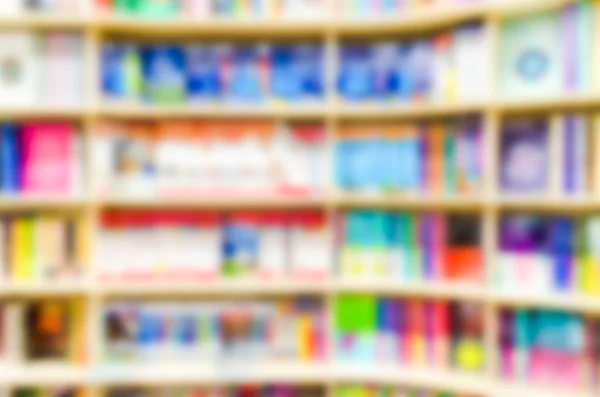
(192, 246)
(185, 158)
(550, 348)
(204, 9)
(360, 390)
(144, 331)
(411, 247)
(443, 157)
(245, 390)
(549, 53)
(446, 66)
(41, 69)
(24, 7)
(223, 73)
(530, 147)
(296, 9)
(59, 391)
(43, 159)
(43, 331)
(38, 248)
(436, 334)
(541, 254)
(196, 246)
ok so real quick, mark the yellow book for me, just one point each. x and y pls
(22, 235)
(303, 331)
(77, 351)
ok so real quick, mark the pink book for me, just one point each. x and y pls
(47, 149)
(555, 367)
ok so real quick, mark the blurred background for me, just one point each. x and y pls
(299, 198)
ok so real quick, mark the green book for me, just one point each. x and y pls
(126, 6)
(355, 314)
(158, 8)
(450, 185)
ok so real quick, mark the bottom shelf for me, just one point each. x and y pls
(239, 372)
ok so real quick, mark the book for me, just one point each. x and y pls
(46, 150)
(48, 333)
(10, 159)
(531, 64)
(21, 73)
(524, 157)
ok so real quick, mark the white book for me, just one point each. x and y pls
(530, 57)
(206, 250)
(272, 253)
(63, 69)
(310, 251)
(19, 69)
(76, 164)
(443, 70)
(103, 157)
(12, 7)
(471, 62)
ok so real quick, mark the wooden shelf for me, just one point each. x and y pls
(394, 111)
(220, 372)
(217, 203)
(220, 288)
(43, 375)
(137, 111)
(45, 21)
(421, 290)
(568, 301)
(42, 112)
(8, 203)
(413, 201)
(507, 389)
(45, 289)
(450, 381)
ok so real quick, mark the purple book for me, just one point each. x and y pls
(569, 182)
(523, 233)
(525, 156)
(569, 34)
(575, 154)
(507, 344)
(426, 237)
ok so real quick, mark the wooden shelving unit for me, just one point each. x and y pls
(330, 31)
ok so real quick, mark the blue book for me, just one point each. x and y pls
(203, 80)
(355, 79)
(562, 252)
(10, 159)
(164, 74)
(247, 74)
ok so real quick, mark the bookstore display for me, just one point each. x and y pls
(299, 198)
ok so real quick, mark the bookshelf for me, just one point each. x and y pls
(96, 376)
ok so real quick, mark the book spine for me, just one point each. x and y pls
(9, 159)
(585, 21)
(425, 233)
(522, 333)
(569, 46)
(569, 171)
(450, 160)
(581, 154)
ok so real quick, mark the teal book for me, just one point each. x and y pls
(450, 182)
(159, 8)
(531, 62)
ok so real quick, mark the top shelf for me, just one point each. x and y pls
(420, 19)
